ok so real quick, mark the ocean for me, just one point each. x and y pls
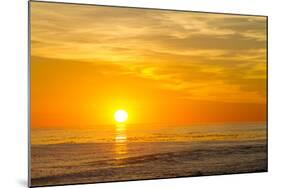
(70, 156)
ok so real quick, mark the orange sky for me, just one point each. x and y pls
(162, 67)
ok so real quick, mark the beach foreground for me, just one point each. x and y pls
(56, 164)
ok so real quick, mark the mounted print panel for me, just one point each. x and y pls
(119, 94)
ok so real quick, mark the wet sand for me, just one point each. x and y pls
(56, 164)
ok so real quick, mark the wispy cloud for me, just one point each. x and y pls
(214, 57)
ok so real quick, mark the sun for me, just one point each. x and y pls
(120, 116)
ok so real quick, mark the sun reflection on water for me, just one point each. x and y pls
(120, 141)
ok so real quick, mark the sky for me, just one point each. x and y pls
(164, 68)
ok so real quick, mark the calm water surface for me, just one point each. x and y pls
(61, 156)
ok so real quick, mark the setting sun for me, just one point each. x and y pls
(120, 116)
